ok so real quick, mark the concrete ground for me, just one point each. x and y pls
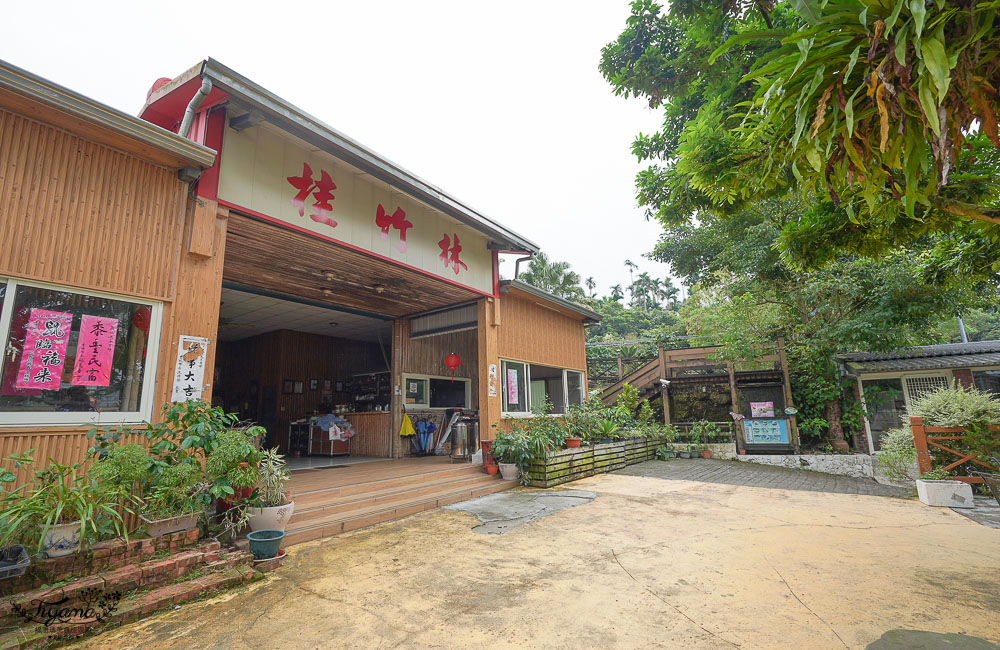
(648, 563)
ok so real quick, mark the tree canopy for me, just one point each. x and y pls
(882, 113)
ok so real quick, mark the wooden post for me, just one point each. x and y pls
(488, 340)
(786, 388)
(621, 374)
(735, 402)
(920, 444)
(400, 336)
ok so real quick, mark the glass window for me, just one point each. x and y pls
(68, 352)
(885, 404)
(514, 378)
(449, 393)
(547, 384)
(416, 391)
(574, 387)
(987, 381)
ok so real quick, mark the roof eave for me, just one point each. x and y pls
(310, 129)
(589, 315)
(35, 88)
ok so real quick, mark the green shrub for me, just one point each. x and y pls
(969, 408)
(897, 457)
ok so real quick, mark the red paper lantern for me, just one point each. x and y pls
(141, 318)
(452, 361)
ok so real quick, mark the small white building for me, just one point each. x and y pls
(890, 382)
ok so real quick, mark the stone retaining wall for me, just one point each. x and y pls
(723, 450)
(855, 465)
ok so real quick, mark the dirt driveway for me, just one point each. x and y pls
(648, 563)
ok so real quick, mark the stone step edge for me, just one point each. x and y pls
(147, 575)
(136, 607)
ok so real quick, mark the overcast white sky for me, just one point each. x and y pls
(499, 104)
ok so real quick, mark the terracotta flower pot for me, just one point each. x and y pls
(706, 453)
(491, 469)
(572, 443)
(488, 459)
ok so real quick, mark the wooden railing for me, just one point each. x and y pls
(925, 437)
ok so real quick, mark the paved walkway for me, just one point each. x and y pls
(732, 472)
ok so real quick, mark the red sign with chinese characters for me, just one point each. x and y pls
(45, 340)
(323, 195)
(396, 220)
(450, 250)
(94, 351)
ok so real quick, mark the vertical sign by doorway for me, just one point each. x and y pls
(189, 371)
(492, 382)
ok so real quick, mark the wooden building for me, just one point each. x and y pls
(250, 255)
(99, 232)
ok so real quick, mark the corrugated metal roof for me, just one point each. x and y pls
(926, 363)
(923, 351)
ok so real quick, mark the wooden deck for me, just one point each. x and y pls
(334, 500)
(309, 479)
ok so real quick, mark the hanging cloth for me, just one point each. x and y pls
(406, 429)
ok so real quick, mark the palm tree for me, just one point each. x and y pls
(589, 282)
(616, 293)
(554, 277)
(631, 266)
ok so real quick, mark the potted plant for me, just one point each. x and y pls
(272, 509)
(606, 430)
(171, 504)
(512, 452)
(265, 544)
(164, 487)
(232, 467)
(61, 509)
(935, 489)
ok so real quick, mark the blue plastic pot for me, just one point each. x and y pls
(264, 544)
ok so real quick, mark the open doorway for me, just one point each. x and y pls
(315, 377)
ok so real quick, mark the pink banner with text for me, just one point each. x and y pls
(45, 340)
(95, 350)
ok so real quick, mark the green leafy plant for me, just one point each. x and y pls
(232, 463)
(607, 429)
(175, 492)
(974, 410)
(58, 494)
(273, 477)
(898, 457)
(935, 475)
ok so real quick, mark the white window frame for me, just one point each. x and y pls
(527, 384)
(427, 405)
(91, 418)
(427, 391)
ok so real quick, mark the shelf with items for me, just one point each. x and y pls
(370, 391)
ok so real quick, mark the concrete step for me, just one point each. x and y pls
(342, 522)
(304, 499)
(393, 494)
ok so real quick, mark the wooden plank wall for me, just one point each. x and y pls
(90, 216)
(530, 332)
(286, 354)
(374, 437)
(61, 199)
(425, 356)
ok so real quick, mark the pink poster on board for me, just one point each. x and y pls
(512, 386)
(45, 340)
(94, 351)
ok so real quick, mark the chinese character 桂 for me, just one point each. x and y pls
(323, 194)
(450, 250)
(396, 220)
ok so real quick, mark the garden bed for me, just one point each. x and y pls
(572, 464)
